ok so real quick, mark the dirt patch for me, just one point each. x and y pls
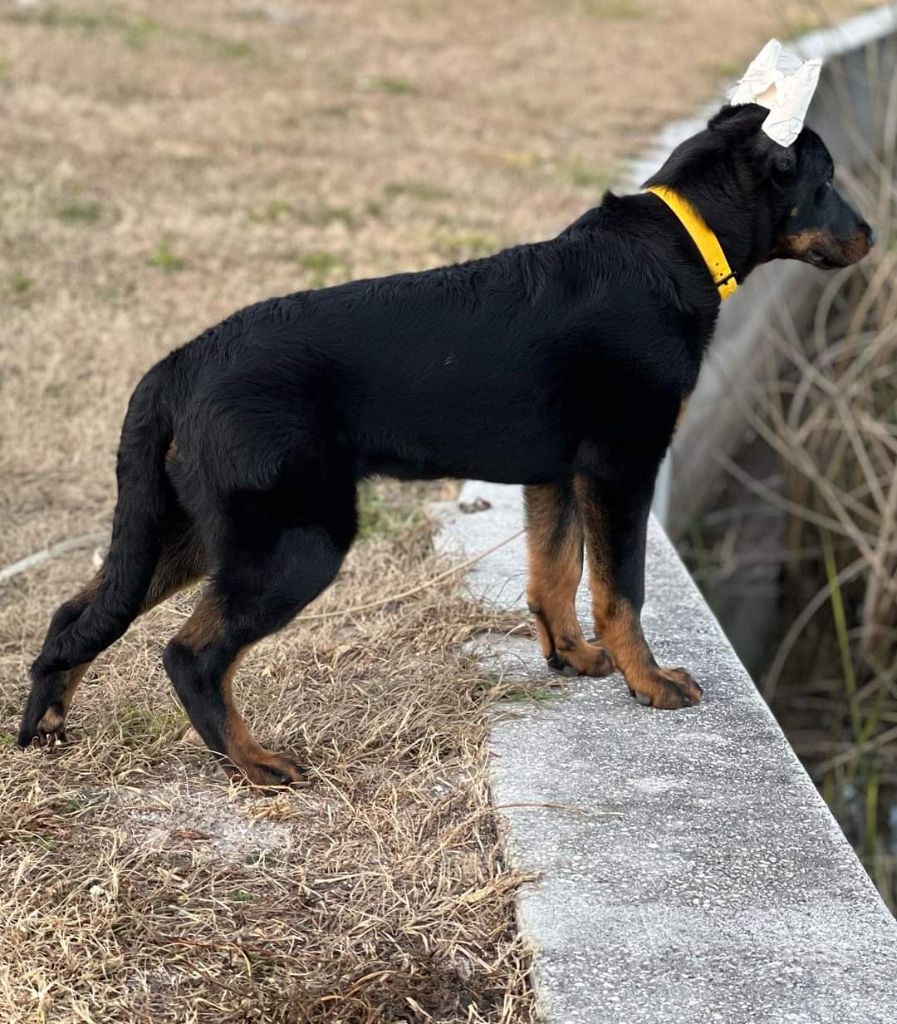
(210, 820)
(164, 164)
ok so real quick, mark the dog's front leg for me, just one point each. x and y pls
(615, 519)
(554, 547)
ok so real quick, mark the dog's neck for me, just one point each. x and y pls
(704, 238)
(743, 229)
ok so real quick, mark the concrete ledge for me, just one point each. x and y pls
(689, 871)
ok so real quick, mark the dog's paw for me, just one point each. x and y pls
(268, 770)
(49, 730)
(667, 688)
(585, 660)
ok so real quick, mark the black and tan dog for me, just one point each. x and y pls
(562, 366)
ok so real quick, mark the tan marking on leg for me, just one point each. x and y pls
(555, 569)
(619, 626)
(51, 726)
(72, 683)
(205, 626)
(182, 562)
(256, 764)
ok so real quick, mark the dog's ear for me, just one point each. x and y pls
(741, 126)
(734, 123)
(783, 162)
(778, 163)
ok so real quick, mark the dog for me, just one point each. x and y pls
(562, 366)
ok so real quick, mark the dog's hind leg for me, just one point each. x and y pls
(555, 552)
(88, 625)
(262, 582)
(51, 695)
(181, 562)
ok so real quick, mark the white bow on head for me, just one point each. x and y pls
(784, 84)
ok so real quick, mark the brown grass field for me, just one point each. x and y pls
(163, 164)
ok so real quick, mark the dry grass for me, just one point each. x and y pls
(138, 887)
(831, 420)
(163, 164)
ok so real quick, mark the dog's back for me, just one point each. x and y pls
(497, 369)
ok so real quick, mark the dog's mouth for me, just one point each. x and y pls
(824, 259)
(818, 258)
(822, 249)
(840, 253)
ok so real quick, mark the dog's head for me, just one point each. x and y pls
(819, 226)
(767, 200)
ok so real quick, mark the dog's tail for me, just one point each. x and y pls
(140, 512)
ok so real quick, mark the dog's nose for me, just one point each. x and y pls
(870, 233)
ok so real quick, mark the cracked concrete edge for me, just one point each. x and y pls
(688, 869)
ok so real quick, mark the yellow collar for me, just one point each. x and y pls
(705, 240)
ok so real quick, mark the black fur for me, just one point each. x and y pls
(561, 359)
